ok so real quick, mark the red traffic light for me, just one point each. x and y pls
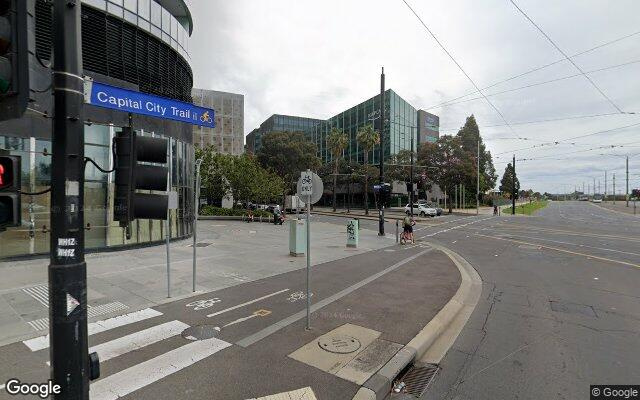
(8, 171)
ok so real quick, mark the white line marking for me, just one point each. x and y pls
(131, 379)
(138, 340)
(300, 394)
(2, 386)
(239, 320)
(247, 303)
(42, 342)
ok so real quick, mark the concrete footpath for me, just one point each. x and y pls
(249, 341)
(229, 253)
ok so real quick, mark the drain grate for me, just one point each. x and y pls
(417, 379)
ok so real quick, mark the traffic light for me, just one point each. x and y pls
(131, 150)
(14, 59)
(10, 191)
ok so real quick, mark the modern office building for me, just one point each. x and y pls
(140, 45)
(228, 135)
(428, 127)
(278, 123)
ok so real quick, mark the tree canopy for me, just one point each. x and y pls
(506, 183)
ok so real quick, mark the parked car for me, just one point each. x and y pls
(438, 209)
(421, 209)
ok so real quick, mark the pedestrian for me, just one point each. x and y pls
(495, 210)
(250, 216)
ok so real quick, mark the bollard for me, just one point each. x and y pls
(397, 231)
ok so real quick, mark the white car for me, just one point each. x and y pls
(421, 209)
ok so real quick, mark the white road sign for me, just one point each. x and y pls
(306, 183)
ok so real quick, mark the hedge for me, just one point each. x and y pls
(211, 210)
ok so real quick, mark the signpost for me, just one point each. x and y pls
(310, 187)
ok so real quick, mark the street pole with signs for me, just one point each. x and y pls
(306, 189)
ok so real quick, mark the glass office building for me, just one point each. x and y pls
(400, 126)
(278, 123)
(139, 45)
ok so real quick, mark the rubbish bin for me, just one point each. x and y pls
(353, 233)
(297, 237)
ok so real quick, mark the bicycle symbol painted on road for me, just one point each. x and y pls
(203, 304)
(295, 296)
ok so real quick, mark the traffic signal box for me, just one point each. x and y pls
(14, 59)
(10, 191)
(132, 173)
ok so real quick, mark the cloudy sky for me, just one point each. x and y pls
(317, 58)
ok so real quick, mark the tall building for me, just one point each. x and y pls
(139, 45)
(428, 127)
(228, 135)
(278, 123)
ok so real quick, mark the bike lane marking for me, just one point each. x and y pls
(247, 303)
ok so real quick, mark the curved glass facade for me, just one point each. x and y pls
(33, 236)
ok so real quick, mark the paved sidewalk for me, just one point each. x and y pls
(119, 282)
(365, 308)
(621, 207)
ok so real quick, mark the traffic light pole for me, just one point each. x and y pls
(70, 366)
(381, 211)
(513, 194)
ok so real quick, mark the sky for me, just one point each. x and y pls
(317, 58)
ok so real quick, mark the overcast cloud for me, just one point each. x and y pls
(317, 58)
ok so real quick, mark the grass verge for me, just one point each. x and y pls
(527, 208)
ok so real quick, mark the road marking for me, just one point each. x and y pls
(203, 304)
(40, 293)
(131, 379)
(42, 342)
(247, 303)
(300, 394)
(2, 386)
(601, 236)
(249, 340)
(562, 250)
(259, 313)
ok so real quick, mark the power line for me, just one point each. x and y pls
(537, 121)
(543, 83)
(459, 66)
(537, 69)
(567, 57)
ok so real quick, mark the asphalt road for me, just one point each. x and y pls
(560, 307)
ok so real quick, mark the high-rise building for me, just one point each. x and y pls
(137, 45)
(428, 127)
(278, 123)
(228, 135)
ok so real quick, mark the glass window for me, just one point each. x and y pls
(118, 2)
(100, 4)
(131, 17)
(156, 14)
(131, 5)
(143, 24)
(115, 10)
(166, 21)
(156, 31)
(143, 8)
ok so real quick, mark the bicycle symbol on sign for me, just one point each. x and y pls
(203, 304)
(306, 179)
(205, 117)
(295, 296)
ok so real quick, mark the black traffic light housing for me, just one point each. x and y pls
(10, 182)
(14, 59)
(130, 176)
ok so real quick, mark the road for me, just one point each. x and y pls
(560, 307)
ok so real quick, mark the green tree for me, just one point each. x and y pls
(337, 141)
(287, 154)
(469, 136)
(506, 183)
(368, 139)
(213, 171)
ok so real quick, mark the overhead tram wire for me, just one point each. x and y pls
(568, 58)
(536, 69)
(459, 66)
(544, 83)
(539, 121)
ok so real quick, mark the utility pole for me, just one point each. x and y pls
(381, 211)
(68, 351)
(627, 195)
(411, 173)
(605, 185)
(514, 193)
(478, 180)
(614, 188)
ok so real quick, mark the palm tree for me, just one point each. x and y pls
(367, 138)
(337, 141)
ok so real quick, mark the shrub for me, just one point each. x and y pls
(228, 212)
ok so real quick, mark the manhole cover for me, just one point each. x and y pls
(342, 344)
(200, 332)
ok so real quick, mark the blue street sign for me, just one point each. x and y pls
(102, 95)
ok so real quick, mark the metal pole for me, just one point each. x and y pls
(478, 181)
(614, 188)
(196, 198)
(68, 345)
(411, 173)
(168, 224)
(381, 214)
(514, 191)
(396, 231)
(627, 195)
(605, 185)
(308, 262)
(456, 197)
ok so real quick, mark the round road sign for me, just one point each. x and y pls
(318, 188)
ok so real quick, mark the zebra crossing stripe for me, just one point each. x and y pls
(140, 375)
(42, 342)
(138, 340)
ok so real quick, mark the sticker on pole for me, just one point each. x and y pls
(313, 180)
(72, 304)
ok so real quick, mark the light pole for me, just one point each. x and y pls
(478, 179)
